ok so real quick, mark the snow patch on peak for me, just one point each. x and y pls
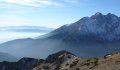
(98, 13)
(105, 26)
(67, 25)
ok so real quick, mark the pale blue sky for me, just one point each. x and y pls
(52, 13)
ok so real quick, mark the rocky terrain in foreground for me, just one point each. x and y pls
(64, 60)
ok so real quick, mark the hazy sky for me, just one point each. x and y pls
(52, 13)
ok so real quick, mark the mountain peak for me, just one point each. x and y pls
(62, 55)
(99, 26)
(25, 59)
(112, 15)
(98, 13)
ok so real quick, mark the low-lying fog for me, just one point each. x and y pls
(11, 35)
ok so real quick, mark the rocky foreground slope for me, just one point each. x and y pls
(68, 61)
(64, 60)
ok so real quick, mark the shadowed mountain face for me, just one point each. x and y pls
(89, 37)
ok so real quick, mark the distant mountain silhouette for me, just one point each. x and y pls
(23, 64)
(26, 29)
(7, 57)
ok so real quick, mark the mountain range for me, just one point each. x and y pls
(92, 36)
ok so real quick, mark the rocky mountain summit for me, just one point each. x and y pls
(54, 61)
